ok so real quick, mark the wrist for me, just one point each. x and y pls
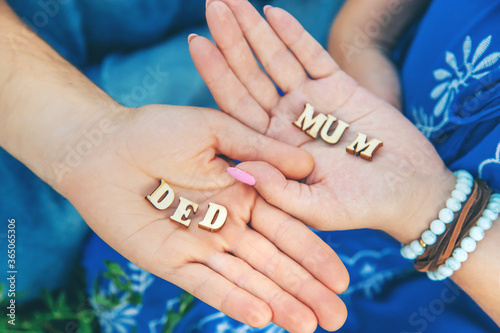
(50, 123)
(424, 206)
(49, 110)
(79, 139)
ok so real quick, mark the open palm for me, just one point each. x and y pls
(262, 266)
(406, 182)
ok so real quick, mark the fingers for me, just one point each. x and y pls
(215, 290)
(239, 142)
(316, 60)
(230, 94)
(230, 40)
(306, 203)
(301, 244)
(288, 312)
(263, 256)
(277, 60)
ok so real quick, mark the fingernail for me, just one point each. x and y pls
(241, 175)
(191, 36)
(266, 8)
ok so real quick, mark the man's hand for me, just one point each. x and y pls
(262, 265)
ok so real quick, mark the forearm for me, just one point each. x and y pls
(362, 36)
(479, 276)
(364, 25)
(46, 105)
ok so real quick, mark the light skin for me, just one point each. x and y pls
(262, 266)
(371, 66)
(400, 192)
(362, 37)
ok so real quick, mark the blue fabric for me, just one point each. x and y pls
(49, 231)
(451, 76)
(385, 295)
(137, 52)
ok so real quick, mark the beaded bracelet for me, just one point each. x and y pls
(468, 244)
(446, 215)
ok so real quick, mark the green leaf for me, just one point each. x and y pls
(172, 320)
(134, 298)
(47, 298)
(114, 268)
(113, 299)
(84, 327)
(186, 303)
(2, 288)
(122, 285)
(97, 283)
(61, 302)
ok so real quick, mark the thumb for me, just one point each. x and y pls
(292, 197)
(239, 142)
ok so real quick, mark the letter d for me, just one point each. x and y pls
(211, 222)
(162, 191)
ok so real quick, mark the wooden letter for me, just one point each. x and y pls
(163, 190)
(307, 123)
(182, 212)
(337, 134)
(364, 149)
(215, 218)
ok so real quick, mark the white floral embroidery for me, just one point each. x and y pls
(119, 318)
(364, 254)
(365, 262)
(141, 279)
(372, 286)
(225, 325)
(489, 161)
(452, 80)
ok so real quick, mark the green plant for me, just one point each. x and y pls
(186, 302)
(2, 288)
(68, 310)
(65, 310)
(121, 281)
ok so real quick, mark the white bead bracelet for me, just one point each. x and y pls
(463, 188)
(468, 244)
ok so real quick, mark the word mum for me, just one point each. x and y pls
(163, 197)
(312, 126)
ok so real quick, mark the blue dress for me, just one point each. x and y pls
(448, 71)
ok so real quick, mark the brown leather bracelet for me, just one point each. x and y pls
(465, 219)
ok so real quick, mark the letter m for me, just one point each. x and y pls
(364, 149)
(307, 123)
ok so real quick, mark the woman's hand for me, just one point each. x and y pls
(400, 192)
(262, 266)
